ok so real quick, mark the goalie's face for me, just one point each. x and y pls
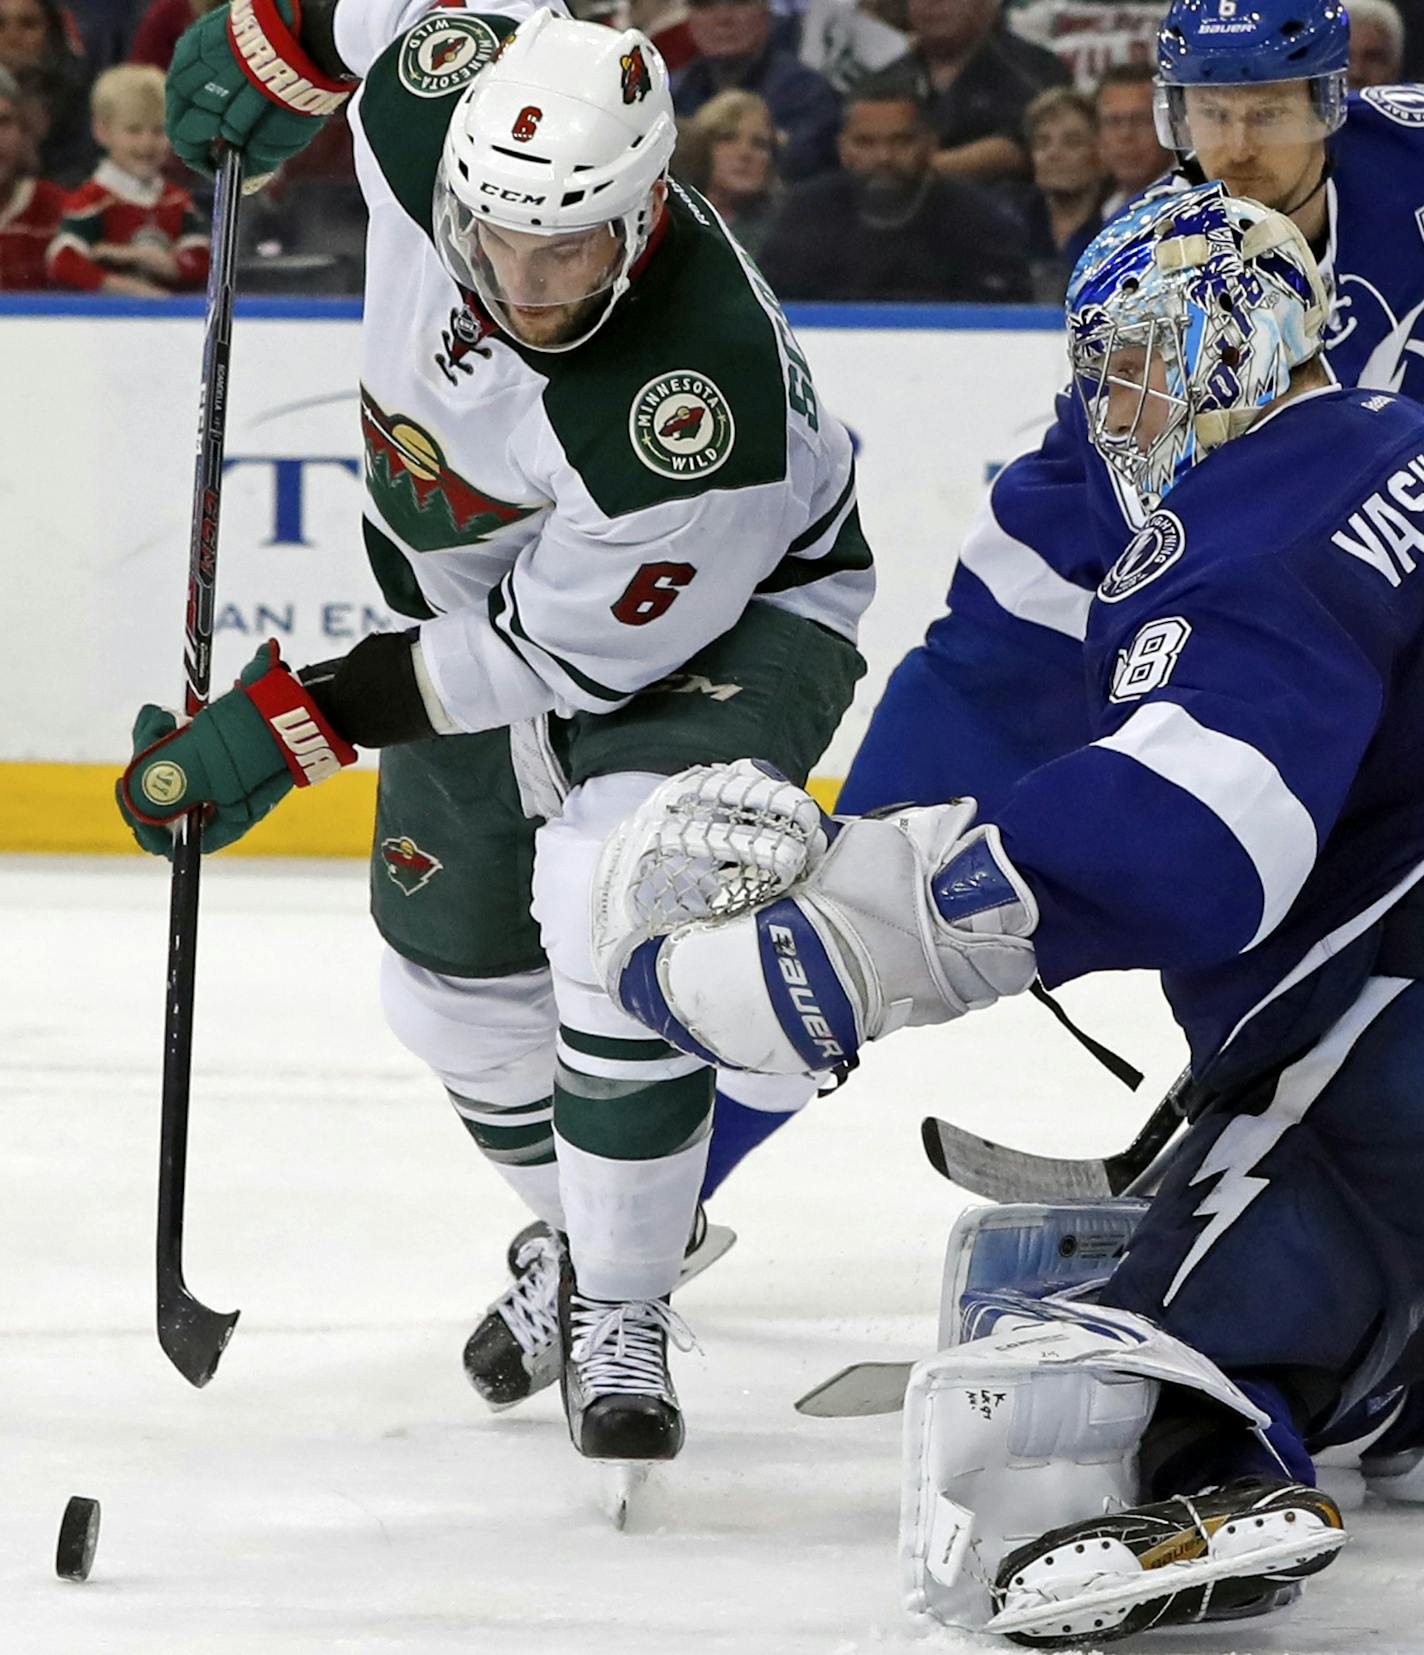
(1133, 388)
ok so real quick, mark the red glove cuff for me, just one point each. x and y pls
(271, 56)
(312, 749)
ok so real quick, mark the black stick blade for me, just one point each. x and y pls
(1003, 1174)
(193, 1337)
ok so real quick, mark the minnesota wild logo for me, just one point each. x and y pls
(445, 53)
(680, 425)
(637, 81)
(430, 506)
(408, 865)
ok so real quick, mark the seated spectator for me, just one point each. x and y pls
(105, 29)
(727, 150)
(976, 80)
(1061, 126)
(1127, 133)
(36, 46)
(888, 226)
(29, 206)
(738, 49)
(665, 24)
(1376, 44)
(159, 27)
(128, 230)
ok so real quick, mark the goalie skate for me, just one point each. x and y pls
(1182, 1560)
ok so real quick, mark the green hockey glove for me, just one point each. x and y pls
(240, 77)
(239, 756)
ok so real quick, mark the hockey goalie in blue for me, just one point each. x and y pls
(1245, 814)
(1255, 97)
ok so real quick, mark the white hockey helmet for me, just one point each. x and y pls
(562, 138)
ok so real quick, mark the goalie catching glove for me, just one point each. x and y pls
(238, 757)
(745, 926)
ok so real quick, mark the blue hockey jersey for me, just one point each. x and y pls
(994, 689)
(1250, 798)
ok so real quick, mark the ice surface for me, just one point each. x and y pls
(338, 1487)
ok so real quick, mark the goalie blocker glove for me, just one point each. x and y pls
(243, 76)
(855, 929)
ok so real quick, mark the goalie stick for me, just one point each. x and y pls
(193, 1337)
(1006, 1174)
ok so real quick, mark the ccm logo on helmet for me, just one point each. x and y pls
(802, 995)
(517, 196)
(526, 123)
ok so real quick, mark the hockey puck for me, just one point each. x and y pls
(78, 1539)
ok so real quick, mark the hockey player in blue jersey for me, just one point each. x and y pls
(1244, 814)
(1253, 96)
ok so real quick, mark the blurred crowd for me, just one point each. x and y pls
(900, 150)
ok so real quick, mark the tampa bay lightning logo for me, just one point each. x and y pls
(1402, 104)
(1155, 547)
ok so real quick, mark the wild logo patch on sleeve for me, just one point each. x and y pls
(680, 425)
(1155, 547)
(445, 53)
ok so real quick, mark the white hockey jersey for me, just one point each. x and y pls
(571, 528)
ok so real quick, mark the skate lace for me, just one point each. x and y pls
(620, 1346)
(530, 1306)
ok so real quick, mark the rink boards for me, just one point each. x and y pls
(97, 427)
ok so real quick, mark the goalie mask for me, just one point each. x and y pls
(1185, 318)
(546, 192)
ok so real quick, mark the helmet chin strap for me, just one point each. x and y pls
(1312, 192)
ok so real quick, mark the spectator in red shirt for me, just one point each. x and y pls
(129, 230)
(29, 206)
(159, 28)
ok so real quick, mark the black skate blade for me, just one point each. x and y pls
(621, 1480)
(862, 1389)
(716, 1243)
(1052, 1618)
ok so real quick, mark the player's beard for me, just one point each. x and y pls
(544, 325)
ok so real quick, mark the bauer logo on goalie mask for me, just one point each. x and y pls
(680, 425)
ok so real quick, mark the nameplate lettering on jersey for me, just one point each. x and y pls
(1385, 533)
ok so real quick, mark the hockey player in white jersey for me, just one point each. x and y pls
(1246, 816)
(625, 533)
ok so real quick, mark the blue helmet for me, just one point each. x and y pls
(1251, 42)
(1186, 316)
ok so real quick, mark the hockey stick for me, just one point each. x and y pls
(1004, 1174)
(192, 1336)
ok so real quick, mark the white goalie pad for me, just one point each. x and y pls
(1040, 1248)
(1031, 1427)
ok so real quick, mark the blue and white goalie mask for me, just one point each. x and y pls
(1186, 317)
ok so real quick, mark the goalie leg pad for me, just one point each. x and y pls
(1027, 1429)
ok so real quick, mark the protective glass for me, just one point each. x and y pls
(520, 268)
(1265, 112)
(1132, 378)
